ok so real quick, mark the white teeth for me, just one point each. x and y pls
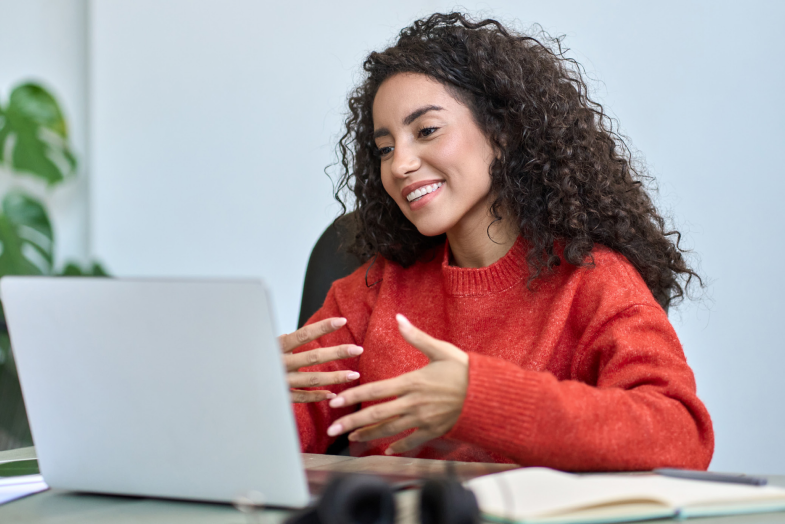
(419, 193)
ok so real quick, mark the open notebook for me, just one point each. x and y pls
(19, 478)
(542, 495)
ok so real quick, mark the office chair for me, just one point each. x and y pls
(329, 261)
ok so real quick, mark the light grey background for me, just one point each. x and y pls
(210, 124)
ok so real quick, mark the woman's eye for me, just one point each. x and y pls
(427, 131)
(383, 151)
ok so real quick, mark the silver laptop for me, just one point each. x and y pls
(155, 388)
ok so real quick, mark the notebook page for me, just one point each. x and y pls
(12, 488)
(682, 493)
(531, 493)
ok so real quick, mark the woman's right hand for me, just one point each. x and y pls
(295, 361)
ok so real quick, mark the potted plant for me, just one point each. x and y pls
(34, 145)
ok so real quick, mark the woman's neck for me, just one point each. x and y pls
(478, 245)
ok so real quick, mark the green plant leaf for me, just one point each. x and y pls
(25, 236)
(5, 130)
(34, 134)
(5, 350)
(74, 270)
(19, 467)
(71, 270)
(97, 270)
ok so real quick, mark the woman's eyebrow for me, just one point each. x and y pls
(414, 115)
(417, 113)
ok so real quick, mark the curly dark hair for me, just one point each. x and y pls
(562, 172)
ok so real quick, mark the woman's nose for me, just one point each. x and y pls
(405, 161)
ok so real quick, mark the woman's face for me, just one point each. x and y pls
(435, 161)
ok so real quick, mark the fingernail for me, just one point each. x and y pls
(352, 376)
(402, 320)
(338, 322)
(337, 402)
(355, 350)
(331, 395)
(335, 429)
(387, 451)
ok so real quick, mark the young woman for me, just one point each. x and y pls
(499, 214)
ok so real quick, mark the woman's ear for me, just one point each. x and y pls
(499, 145)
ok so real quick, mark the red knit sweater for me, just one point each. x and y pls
(582, 372)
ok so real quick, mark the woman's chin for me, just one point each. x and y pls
(429, 224)
(431, 230)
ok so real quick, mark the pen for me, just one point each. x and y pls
(692, 474)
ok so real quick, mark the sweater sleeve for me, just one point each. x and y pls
(629, 404)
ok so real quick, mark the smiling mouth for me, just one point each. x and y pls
(417, 194)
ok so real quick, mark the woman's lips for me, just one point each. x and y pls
(425, 199)
(417, 185)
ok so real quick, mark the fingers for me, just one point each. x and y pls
(316, 379)
(295, 361)
(392, 387)
(370, 415)
(309, 333)
(432, 348)
(408, 443)
(300, 396)
(383, 429)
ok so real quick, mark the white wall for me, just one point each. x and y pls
(46, 41)
(212, 122)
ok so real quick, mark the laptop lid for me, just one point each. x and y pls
(155, 387)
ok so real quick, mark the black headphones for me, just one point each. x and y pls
(366, 499)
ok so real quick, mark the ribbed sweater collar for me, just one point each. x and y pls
(502, 274)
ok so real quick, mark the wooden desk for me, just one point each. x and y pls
(62, 507)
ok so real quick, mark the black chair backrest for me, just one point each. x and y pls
(329, 261)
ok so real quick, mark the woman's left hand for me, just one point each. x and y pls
(429, 399)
